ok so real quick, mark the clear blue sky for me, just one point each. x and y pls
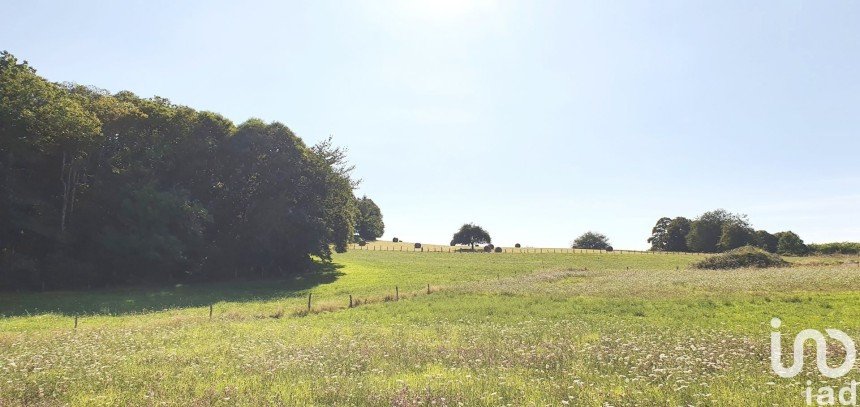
(537, 120)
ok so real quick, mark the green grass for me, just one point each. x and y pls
(497, 329)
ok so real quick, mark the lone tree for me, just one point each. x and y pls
(471, 234)
(591, 240)
(370, 225)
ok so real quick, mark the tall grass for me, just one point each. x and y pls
(582, 329)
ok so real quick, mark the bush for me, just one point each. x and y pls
(395, 240)
(362, 243)
(746, 256)
(517, 245)
(790, 244)
(498, 250)
(417, 245)
(835, 248)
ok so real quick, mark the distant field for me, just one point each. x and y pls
(385, 245)
(496, 329)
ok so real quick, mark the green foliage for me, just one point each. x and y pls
(670, 234)
(370, 225)
(591, 240)
(706, 231)
(747, 256)
(659, 234)
(734, 235)
(713, 232)
(765, 241)
(677, 233)
(101, 188)
(471, 234)
(835, 248)
(790, 244)
(158, 236)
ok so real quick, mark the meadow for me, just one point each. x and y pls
(467, 329)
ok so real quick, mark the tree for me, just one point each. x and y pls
(99, 188)
(735, 234)
(471, 235)
(370, 225)
(274, 208)
(676, 234)
(789, 243)
(660, 234)
(159, 236)
(707, 230)
(341, 210)
(591, 240)
(765, 241)
(46, 136)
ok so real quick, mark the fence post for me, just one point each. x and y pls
(350, 300)
(309, 300)
(428, 288)
(396, 293)
(210, 311)
(76, 322)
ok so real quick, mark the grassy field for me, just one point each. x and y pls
(495, 329)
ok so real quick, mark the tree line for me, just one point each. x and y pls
(99, 189)
(719, 231)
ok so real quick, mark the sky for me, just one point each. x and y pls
(538, 120)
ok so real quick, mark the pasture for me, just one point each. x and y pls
(492, 329)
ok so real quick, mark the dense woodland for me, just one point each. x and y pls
(100, 189)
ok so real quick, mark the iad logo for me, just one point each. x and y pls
(820, 352)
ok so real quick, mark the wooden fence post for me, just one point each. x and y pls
(76, 322)
(309, 301)
(210, 311)
(428, 288)
(396, 293)
(350, 300)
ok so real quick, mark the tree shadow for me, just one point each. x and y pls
(142, 299)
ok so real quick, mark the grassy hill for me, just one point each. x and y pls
(495, 329)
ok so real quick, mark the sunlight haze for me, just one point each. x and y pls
(537, 120)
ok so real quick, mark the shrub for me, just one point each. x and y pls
(766, 241)
(362, 243)
(498, 250)
(395, 240)
(517, 245)
(791, 244)
(746, 256)
(417, 245)
(835, 248)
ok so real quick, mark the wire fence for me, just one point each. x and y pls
(533, 250)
